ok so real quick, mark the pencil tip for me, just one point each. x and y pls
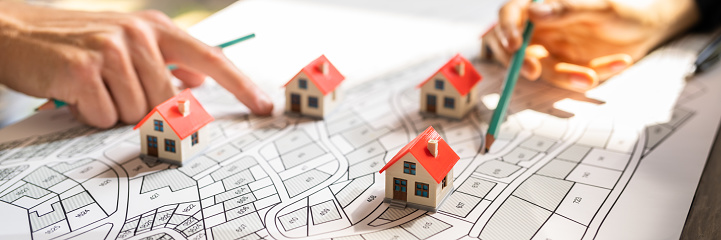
(489, 141)
(47, 105)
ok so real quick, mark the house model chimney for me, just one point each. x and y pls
(433, 147)
(324, 68)
(184, 107)
(461, 69)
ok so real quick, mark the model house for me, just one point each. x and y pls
(452, 90)
(174, 131)
(421, 174)
(312, 92)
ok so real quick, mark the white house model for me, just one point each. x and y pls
(312, 92)
(174, 130)
(421, 174)
(452, 91)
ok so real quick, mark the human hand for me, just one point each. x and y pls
(107, 66)
(578, 43)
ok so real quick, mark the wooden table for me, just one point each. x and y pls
(704, 218)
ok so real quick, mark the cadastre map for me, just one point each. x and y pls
(554, 173)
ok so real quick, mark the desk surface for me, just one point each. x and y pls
(704, 218)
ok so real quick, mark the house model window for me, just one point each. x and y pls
(444, 182)
(421, 189)
(158, 125)
(409, 168)
(449, 103)
(439, 84)
(313, 102)
(194, 139)
(169, 145)
(303, 84)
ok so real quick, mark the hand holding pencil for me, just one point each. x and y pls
(578, 44)
(499, 114)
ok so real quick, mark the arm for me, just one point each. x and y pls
(108, 66)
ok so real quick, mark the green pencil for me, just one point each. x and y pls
(513, 70)
(171, 67)
(222, 45)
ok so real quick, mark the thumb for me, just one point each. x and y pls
(560, 11)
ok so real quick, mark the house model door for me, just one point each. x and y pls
(152, 146)
(294, 102)
(431, 103)
(400, 189)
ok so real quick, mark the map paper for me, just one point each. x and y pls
(557, 171)
(621, 161)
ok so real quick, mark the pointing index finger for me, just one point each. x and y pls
(179, 47)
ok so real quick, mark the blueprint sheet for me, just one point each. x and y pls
(620, 162)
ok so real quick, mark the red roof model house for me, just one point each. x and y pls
(452, 90)
(312, 92)
(174, 130)
(421, 174)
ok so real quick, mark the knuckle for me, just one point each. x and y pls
(155, 16)
(213, 55)
(133, 24)
(138, 31)
(110, 44)
(510, 13)
(84, 67)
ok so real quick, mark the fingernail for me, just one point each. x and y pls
(264, 106)
(526, 70)
(541, 10)
(579, 81)
(504, 42)
(515, 35)
(618, 66)
(503, 37)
